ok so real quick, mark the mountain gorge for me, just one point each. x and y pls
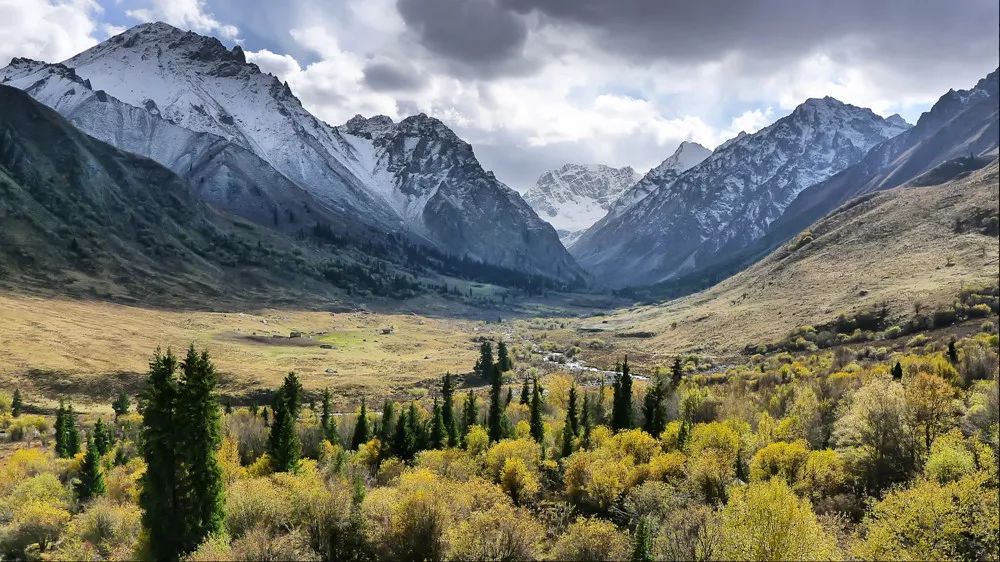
(199, 108)
(575, 196)
(728, 200)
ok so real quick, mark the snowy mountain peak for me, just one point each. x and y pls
(678, 223)
(415, 177)
(575, 196)
(687, 155)
(369, 128)
(897, 120)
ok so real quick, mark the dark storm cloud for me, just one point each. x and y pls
(480, 34)
(386, 76)
(494, 31)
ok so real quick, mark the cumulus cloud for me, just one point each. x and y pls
(187, 14)
(48, 30)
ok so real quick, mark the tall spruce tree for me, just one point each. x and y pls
(510, 396)
(504, 362)
(362, 434)
(197, 412)
(120, 405)
(470, 413)
(535, 420)
(621, 412)
(16, 403)
(415, 428)
(325, 412)
(91, 481)
(283, 443)
(654, 406)
(677, 373)
(102, 437)
(159, 497)
(60, 429)
(484, 365)
(387, 425)
(494, 420)
(72, 433)
(438, 435)
(448, 410)
(525, 393)
(401, 442)
(567, 441)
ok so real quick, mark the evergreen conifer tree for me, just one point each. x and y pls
(91, 482)
(495, 413)
(60, 429)
(535, 421)
(676, 373)
(16, 403)
(470, 412)
(897, 371)
(525, 393)
(504, 362)
(72, 433)
(510, 396)
(567, 441)
(159, 496)
(952, 352)
(438, 435)
(283, 444)
(325, 412)
(415, 429)
(102, 437)
(198, 414)
(400, 439)
(484, 365)
(654, 407)
(448, 411)
(621, 412)
(361, 432)
(387, 425)
(120, 405)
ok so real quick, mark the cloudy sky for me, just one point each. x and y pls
(533, 84)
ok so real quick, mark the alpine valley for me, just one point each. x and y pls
(231, 330)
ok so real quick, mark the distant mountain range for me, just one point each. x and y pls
(199, 108)
(575, 196)
(388, 199)
(729, 199)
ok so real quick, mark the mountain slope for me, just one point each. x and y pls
(687, 156)
(426, 187)
(962, 123)
(728, 200)
(897, 247)
(219, 172)
(83, 218)
(575, 196)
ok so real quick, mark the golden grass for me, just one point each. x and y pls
(89, 350)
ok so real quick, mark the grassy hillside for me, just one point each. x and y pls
(899, 247)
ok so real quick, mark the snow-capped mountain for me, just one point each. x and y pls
(729, 199)
(432, 188)
(962, 123)
(687, 156)
(222, 173)
(576, 196)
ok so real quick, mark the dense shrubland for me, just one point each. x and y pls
(839, 454)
